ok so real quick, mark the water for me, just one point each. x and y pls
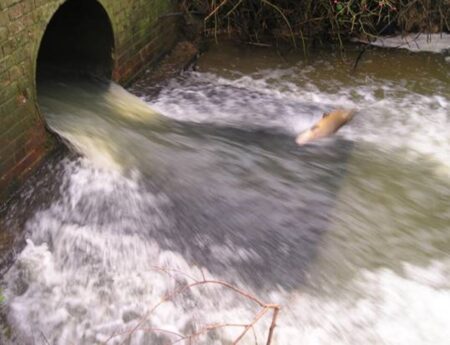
(437, 43)
(350, 235)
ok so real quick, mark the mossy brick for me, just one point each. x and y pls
(4, 20)
(9, 3)
(29, 162)
(18, 128)
(35, 138)
(21, 24)
(6, 161)
(20, 55)
(40, 14)
(4, 33)
(4, 79)
(33, 33)
(7, 120)
(21, 167)
(8, 92)
(6, 63)
(9, 46)
(38, 3)
(15, 72)
(18, 111)
(21, 84)
(10, 149)
(19, 148)
(28, 108)
(6, 108)
(18, 10)
(43, 12)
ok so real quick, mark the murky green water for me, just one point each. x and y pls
(350, 235)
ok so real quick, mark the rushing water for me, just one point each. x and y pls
(350, 235)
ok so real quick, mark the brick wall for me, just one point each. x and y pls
(143, 30)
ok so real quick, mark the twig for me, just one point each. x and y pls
(361, 53)
(287, 22)
(207, 329)
(265, 308)
(215, 10)
(250, 325)
(276, 310)
(254, 336)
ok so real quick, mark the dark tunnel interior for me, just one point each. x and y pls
(78, 41)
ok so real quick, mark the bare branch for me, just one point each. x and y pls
(255, 320)
(276, 310)
(170, 296)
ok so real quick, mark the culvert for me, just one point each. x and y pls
(74, 36)
(78, 40)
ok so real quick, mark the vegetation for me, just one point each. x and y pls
(308, 22)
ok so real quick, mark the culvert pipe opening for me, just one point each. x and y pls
(78, 41)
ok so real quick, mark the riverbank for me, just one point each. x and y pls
(308, 23)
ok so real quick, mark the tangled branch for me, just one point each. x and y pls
(264, 309)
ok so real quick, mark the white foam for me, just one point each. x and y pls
(82, 283)
(379, 307)
(397, 119)
(86, 303)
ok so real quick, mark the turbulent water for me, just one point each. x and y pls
(350, 235)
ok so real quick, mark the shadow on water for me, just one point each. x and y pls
(264, 225)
